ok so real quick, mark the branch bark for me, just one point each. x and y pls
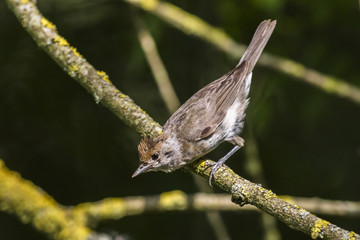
(116, 208)
(98, 84)
(32, 205)
(246, 192)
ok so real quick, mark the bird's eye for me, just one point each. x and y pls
(155, 156)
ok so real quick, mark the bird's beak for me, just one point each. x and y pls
(143, 168)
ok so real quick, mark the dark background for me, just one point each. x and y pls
(54, 134)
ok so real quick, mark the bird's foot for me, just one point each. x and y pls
(214, 167)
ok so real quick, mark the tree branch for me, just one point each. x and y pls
(41, 208)
(68, 58)
(157, 66)
(246, 192)
(32, 205)
(97, 83)
(116, 208)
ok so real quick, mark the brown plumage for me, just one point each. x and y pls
(149, 146)
(211, 116)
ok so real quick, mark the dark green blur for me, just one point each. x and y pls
(54, 134)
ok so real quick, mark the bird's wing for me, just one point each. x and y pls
(220, 95)
(199, 116)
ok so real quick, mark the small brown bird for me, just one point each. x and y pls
(211, 116)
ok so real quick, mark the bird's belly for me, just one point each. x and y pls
(233, 121)
(228, 128)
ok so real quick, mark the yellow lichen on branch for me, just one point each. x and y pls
(173, 200)
(33, 205)
(104, 76)
(318, 228)
(68, 58)
(47, 23)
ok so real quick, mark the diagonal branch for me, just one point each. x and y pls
(156, 64)
(68, 58)
(194, 26)
(246, 192)
(98, 84)
(32, 205)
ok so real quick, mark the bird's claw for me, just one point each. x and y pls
(215, 167)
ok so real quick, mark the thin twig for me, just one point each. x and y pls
(194, 26)
(157, 66)
(115, 208)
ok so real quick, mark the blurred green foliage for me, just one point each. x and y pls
(53, 133)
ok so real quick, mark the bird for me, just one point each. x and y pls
(213, 115)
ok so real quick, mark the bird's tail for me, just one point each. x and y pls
(257, 44)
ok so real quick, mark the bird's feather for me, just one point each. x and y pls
(213, 101)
